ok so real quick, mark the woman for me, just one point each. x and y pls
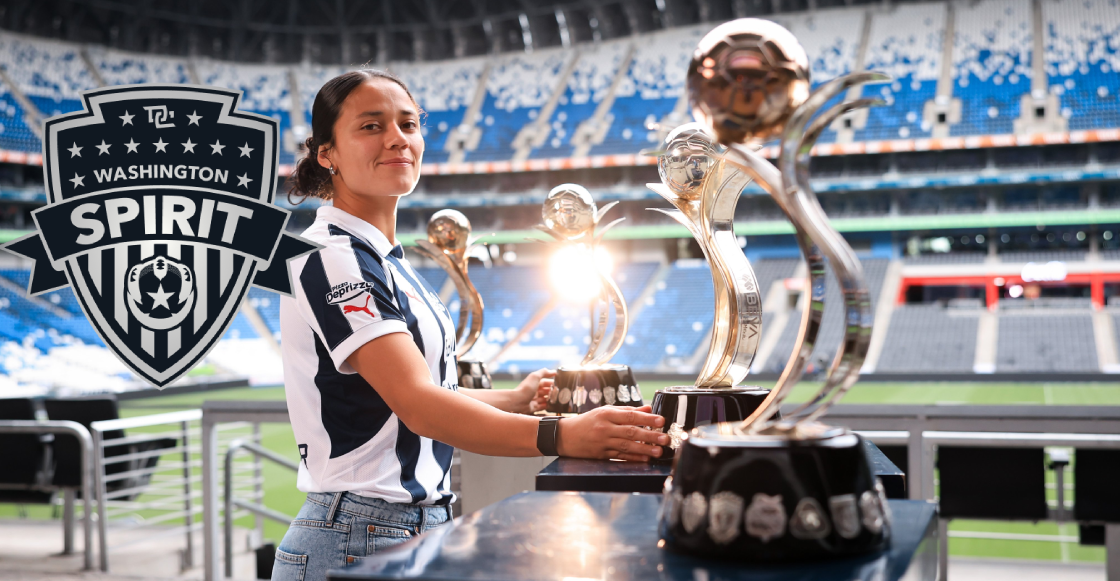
(369, 353)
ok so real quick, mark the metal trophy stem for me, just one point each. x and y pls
(570, 217)
(807, 488)
(705, 189)
(448, 244)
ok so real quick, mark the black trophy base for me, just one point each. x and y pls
(473, 375)
(578, 390)
(767, 499)
(685, 408)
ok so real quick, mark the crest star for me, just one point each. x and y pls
(244, 180)
(126, 119)
(77, 180)
(75, 151)
(103, 148)
(194, 117)
(160, 145)
(160, 298)
(188, 146)
(245, 150)
(132, 145)
(217, 147)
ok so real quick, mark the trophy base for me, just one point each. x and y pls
(473, 375)
(685, 408)
(578, 390)
(773, 499)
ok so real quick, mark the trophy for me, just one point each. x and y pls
(704, 190)
(570, 217)
(773, 488)
(449, 241)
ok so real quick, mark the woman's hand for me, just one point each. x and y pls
(532, 393)
(612, 432)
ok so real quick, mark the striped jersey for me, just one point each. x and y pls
(356, 288)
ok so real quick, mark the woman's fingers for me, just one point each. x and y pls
(637, 434)
(636, 417)
(620, 447)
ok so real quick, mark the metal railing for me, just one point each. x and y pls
(258, 508)
(216, 416)
(86, 445)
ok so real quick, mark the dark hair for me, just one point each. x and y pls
(309, 179)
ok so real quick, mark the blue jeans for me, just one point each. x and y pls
(335, 530)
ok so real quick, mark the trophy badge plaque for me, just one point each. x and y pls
(448, 244)
(570, 217)
(808, 488)
(704, 190)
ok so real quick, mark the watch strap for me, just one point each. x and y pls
(547, 431)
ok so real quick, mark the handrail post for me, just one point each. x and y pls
(258, 478)
(68, 521)
(915, 460)
(188, 554)
(227, 517)
(97, 467)
(209, 498)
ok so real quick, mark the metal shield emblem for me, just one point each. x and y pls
(725, 513)
(845, 515)
(623, 394)
(609, 395)
(693, 510)
(809, 521)
(565, 396)
(160, 214)
(676, 436)
(766, 517)
(871, 511)
(635, 395)
(596, 396)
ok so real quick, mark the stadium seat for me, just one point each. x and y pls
(992, 483)
(1095, 474)
(125, 479)
(26, 458)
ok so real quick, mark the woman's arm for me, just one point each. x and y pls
(396, 369)
(529, 396)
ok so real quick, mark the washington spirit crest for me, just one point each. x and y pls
(160, 215)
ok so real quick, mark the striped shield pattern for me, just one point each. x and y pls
(160, 215)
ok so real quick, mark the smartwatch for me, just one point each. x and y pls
(547, 431)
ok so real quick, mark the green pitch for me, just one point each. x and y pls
(281, 494)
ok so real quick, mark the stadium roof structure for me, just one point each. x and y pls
(357, 31)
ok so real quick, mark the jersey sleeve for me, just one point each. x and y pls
(347, 298)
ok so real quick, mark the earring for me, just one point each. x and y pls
(332, 170)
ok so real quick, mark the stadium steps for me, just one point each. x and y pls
(93, 72)
(593, 131)
(1104, 335)
(888, 296)
(257, 322)
(32, 117)
(987, 343)
(37, 301)
(457, 145)
(534, 134)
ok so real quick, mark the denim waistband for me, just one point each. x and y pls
(409, 514)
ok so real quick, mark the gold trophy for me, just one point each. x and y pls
(570, 217)
(448, 244)
(770, 488)
(704, 190)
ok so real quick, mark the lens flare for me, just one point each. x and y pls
(574, 272)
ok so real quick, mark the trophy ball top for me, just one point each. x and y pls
(690, 152)
(746, 78)
(449, 230)
(569, 211)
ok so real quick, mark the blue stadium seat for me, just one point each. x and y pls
(991, 65)
(1081, 59)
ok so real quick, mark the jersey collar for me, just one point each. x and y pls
(360, 227)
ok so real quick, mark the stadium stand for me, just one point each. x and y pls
(991, 64)
(516, 89)
(588, 85)
(444, 89)
(930, 339)
(51, 74)
(905, 43)
(124, 68)
(1082, 60)
(650, 89)
(266, 91)
(673, 322)
(1036, 342)
(14, 133)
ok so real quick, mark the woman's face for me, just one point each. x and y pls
(377, 147)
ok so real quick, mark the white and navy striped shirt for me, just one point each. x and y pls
(356, 288)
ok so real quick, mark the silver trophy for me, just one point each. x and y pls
(808, 487)
(570, 217)
(449, 243)
(704, 190)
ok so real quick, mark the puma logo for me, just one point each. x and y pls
(347, 309)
